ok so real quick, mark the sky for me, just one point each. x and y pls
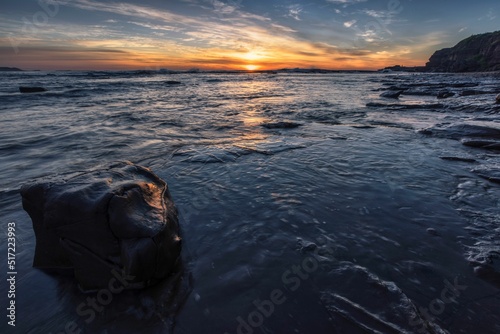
(234, 34)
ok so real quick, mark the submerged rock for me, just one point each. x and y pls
(432, 231)
(110, 223)
(457, 131)
(371, 304)
(487, 144)
(392, 94)
(472, 92)
(281, 125)
(462, 159)
(490, 174)
(401, 106)
(172, 82)
(444, 94)
(32, 89)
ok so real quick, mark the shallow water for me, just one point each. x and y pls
(349, 223)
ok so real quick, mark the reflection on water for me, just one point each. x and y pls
(350, 223)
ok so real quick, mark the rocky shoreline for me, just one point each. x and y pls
(475, 54)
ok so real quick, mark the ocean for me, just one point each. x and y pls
(307, 202)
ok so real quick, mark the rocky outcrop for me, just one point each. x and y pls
(474, 54)
(113, 225)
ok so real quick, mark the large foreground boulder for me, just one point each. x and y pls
(114, 227)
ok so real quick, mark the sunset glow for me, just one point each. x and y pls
(185, 34)
(252, 67)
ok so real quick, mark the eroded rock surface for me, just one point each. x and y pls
(112, 222)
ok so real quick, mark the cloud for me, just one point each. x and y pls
(294, 11)
(222, 8)
(349, 24)
(154, 27)
(131, 10)
(491, 15)
(345, 2)
(283, 28)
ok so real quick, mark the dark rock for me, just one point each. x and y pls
(32, 89)
(488, 273)
(171, 82)
(376, 105)
(10, 69)
(363, 126)
(444, 94)
(281, 125)
(420, 92)
(492, 175)
(399, 106)
(433, 232)
(458, 131)
(113, 221)
(458, 159)
(498, 99)
(487, 144)
(399, 68)
(371, 304)
(470, 92)
(474, 54)
(392, 94)
(399, 87)
(464, 84)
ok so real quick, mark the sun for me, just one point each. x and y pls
(251, 67)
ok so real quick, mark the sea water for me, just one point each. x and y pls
(349, 220)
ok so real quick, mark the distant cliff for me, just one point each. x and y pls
(9, 69)
(474, 54)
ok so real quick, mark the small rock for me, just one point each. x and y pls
(309, 247)
(32, 89)
(172, 82)
(492, 175)
(432, 231)
(392, 94)
(376, 105)
(445, 94)
(486, 144)
(458, 159)
(363, 126)
(281, 125)
(498, 99)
